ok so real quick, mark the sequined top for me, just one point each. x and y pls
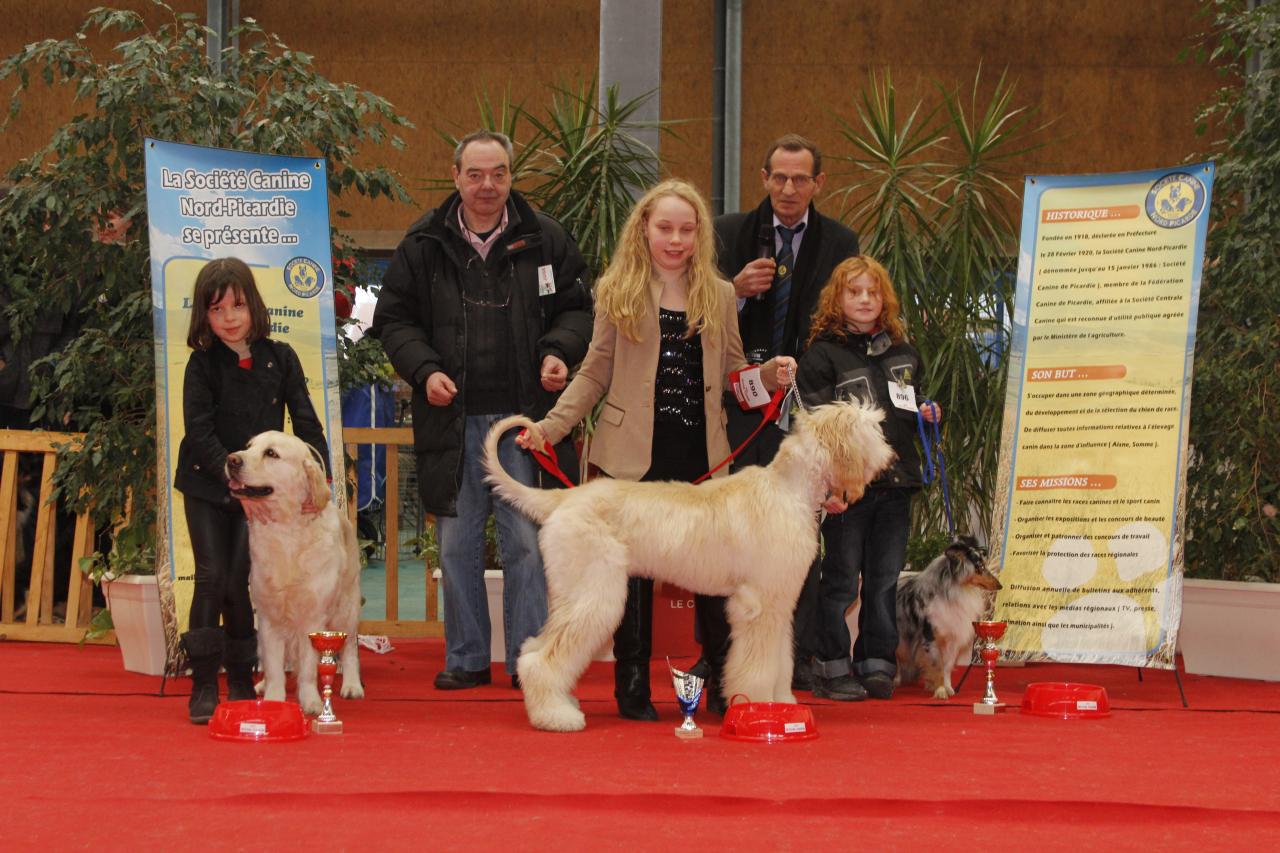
(678, 395)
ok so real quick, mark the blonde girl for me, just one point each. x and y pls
(664, 342)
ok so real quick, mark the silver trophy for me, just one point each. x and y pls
(688, 695)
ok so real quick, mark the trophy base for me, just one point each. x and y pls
(688, 734)
(332, 727)
(983, 709)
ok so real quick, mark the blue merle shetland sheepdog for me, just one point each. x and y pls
(936, 611)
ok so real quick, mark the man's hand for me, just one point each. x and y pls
(931, 412)
(755, 278)
(555, 374)
(440, 389)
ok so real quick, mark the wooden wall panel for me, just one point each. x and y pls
(431, 59)
(1105, 71)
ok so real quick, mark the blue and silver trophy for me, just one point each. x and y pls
(688, 694)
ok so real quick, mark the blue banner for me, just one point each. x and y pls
(271, 212)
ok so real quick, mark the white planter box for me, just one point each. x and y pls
(497, 634)
(134, 601)
(1231, 628)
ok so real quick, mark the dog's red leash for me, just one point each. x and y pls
(770, 413)
(546, 458)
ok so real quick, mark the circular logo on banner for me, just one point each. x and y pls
(303, 277)
(1175, 200)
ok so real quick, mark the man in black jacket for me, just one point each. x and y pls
(484, 306)
(778, 257)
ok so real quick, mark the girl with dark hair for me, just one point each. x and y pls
(238, 383)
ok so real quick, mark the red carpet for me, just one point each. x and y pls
(93, 757)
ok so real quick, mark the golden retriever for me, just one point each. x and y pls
(306, 566)
(749, 536)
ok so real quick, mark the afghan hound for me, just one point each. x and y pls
(749, 536)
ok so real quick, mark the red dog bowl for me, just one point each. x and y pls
(1066, 700)
(768, 722)
(258, 721)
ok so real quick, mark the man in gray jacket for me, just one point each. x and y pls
(483, 308)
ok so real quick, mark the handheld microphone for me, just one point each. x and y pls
(765, 250)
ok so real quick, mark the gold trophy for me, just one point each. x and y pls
(328, 644)
(989, 632)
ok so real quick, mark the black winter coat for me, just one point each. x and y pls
(744, 237)
(836, 368)
(420, 320)
(224, 405)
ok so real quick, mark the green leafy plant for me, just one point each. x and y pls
(932, 201)
(592, 164)
(56, 221)
(579, 161)
(1233, 482)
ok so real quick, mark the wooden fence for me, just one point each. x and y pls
(393, 438)
(25, 490)
(32, 616)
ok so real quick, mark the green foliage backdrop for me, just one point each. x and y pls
(1234, 480)
(155, 81)
(932, 201)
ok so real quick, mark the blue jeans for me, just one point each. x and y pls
(867, 539)
(524, 586)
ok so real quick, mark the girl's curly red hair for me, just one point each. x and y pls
(828, 317)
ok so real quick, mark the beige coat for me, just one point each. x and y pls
(623, 372)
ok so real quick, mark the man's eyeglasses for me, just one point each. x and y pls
(801, 182)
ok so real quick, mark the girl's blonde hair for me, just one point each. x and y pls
(828, 317)
(622, 291)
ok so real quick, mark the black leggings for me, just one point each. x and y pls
(220, 545)
(680, 454)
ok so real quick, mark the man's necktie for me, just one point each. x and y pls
(782, 284)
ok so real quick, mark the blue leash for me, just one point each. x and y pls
(932, 446)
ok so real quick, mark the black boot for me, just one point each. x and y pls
(632, 647)
(204, 653)
(713, 630)
(239, 659)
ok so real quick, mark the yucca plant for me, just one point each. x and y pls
(931, 200)
(580, 162)
(503, 117)
(593, 164)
